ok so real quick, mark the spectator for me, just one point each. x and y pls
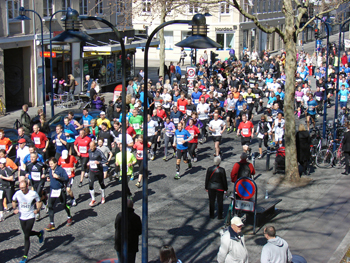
(242, 169)
(303, 142)
(25, 119)
(346, 148)
(167, 255)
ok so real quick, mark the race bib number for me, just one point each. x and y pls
(188, 112)
(35, 176)
(68, 171)
(82, 149)
(157, 104)
(180, 139)
(298, 98)
(36, 140)
(2, 147)
(25, 207)
(343, 98)
(136, 126)
(1, 193)
(218, 131)
(260, 136)
(249, 100)
(58, 142)
(175, 103)
(196, 101)
(86, 122)
(182, 108)
(311, 108)
(93, 165)
(176, 120)
(192, 133)
(245, 131)
(240, 108)
(257, 96)
(55, 193)
(318, 98)
(105, 142)
(139, 154)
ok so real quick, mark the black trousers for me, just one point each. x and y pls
(219, 195)
(27, 226)
(191, 149)
(63, 200)
(347, 157)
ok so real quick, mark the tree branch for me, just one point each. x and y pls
(302, 9)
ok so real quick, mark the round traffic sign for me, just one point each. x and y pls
(191, 72)
(245, 188)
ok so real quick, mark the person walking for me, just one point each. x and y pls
(25, 199)
(25, 119)
(276, 249)
(182, 56)
(303, 142)
(232, 248)
(346, 148)
(134, 231)
(216, 186)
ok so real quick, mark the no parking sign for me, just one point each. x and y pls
(191, 72)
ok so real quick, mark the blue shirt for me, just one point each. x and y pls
(343, 94)
(272, 100)
(311, 107)
(195, 97)
(181, 136)
(59, 145)
(87, 120)
(27, 158)
(281, 94)
(239, 106)
(58, 183)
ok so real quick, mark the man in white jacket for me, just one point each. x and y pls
(276, 248)
(232, 248)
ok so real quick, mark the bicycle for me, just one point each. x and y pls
(339, 158)
(2, 107)
(324, 158)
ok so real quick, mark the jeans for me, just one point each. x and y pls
(167, 139)
(213, 194)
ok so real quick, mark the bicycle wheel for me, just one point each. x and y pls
(324, 158)
(339, 159)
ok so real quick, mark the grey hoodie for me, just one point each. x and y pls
(276, 251)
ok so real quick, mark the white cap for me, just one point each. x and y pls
(64, 154)
(102, 113)
(236, 221)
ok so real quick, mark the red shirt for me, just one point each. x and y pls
(193, 130)
(139, 149)
(130, 130)
(5, 143)
(235, 169)
(246, 128)
(161, 113)
(39, 140)
(83, 145)
(181, 105)
(68, 164)
(206, 96)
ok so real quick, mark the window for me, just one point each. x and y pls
(269, 6)
(98, 6)
(185, 34)
(119, 6)
(225, 8)
(263, 6)
(83, 4)
(65, 4)
(193, 9)
(12, 8)
(48, 7)
(169, 39)
(258, 9)
(146, 6)
(226, 40)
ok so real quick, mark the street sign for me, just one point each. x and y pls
(245, 188)
(244, 205)
(191, 71)
(347, 43)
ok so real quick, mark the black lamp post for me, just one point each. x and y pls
(72, 34)
(198, 39)
(337, 85)
(22, 16)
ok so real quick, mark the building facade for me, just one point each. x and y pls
(20, 47)
(225, 25)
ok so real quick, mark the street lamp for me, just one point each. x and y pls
(22, 16)
(326, 78)
(198, 39)
(72, 34)
(337, 87)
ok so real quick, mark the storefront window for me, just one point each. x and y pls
(226, 40)
(220, 39)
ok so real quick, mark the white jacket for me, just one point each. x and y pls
(232, 248)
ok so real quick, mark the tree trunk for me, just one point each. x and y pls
(162, 44)
(292, 171)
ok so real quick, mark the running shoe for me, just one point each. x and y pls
(103, 200)
(189, 165)
(132, 178)
(174, 154)
(24, 260)
(41, 236)
(228, 129)
(259, 156)
(69, 221)
(138, 184)
(74, 203)
(80, 184)
(37, 217)
(86, 175)
(2, 218)
(152, 157)
(195, 160)
(164, 158)
(92, 203)
(177, 176)
(50, 227)
(234, 129)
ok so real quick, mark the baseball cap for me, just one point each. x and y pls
(64, 154)
(236, 221)
(2, 160)
(244, 156)
(102, 113)
(22, 140)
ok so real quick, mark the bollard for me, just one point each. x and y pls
(268, 153)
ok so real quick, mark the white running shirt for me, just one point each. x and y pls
(26, 203)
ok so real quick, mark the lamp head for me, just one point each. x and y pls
(199, 38)
(22, 14)
(72, 33)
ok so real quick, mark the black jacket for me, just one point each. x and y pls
(134, 230)
(216, 180)
(303, 142)
(346, 142)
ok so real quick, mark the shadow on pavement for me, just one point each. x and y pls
(84, 214)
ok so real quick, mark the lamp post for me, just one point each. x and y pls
(72, 34)
(326, 79)
(51, 69)
(337, 85)
(198, 39)
(22, 16)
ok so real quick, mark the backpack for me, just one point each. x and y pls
(244, 171)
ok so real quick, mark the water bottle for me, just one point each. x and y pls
(267, 194)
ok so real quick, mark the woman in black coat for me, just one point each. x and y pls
(346, 148)
(216, 186)
(303, 142)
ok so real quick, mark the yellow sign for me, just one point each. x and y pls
(96, 53)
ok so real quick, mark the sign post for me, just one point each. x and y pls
(245, 188)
